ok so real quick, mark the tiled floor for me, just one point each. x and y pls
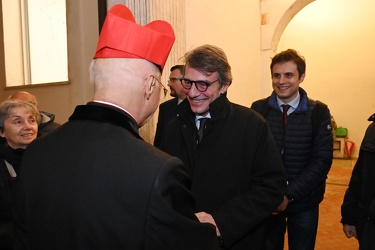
(330, 235)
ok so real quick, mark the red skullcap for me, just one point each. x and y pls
(121, 37)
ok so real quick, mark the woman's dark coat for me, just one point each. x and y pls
(7, 186)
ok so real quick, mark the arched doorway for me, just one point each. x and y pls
(275, 17)
(336, 38)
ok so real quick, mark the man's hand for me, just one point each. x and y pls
(204, 217)
(350, 231)
(283, 205)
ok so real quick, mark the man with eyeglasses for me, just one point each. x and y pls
(237, 174)
(167, 110)
(94, 183)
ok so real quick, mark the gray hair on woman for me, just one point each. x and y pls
(7, 106)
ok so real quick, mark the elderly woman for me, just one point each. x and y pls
(18, 128)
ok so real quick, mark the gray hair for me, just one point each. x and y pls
(209, 59)
(7, 106)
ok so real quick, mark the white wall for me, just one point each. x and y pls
(61, 99)
(337, 43)
(336, 37)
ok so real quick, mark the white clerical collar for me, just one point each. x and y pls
(113, 105)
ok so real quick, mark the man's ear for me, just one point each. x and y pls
(150, 85)
(302, 78)
(225, 87)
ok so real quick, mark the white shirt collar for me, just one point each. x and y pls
(293, 104)
(197, 117)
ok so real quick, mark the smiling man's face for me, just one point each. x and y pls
(200, 101)
(286, 80)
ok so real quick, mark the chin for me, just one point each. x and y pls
(200, 111)
(198, 108)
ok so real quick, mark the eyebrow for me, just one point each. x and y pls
(13, 115)
(278, 73)
(20, 116)
(206, 81)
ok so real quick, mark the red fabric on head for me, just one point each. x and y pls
(121, 37)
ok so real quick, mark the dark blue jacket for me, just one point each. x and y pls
(307, 155)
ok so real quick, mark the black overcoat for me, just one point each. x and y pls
(358, 207)
(167, 111)
(236, 170)
(95, 184)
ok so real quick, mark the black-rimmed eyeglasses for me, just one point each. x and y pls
(173, 79)
(200, 85)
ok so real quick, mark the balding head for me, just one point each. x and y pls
(129, 83)
(121, 75)
(24, 96)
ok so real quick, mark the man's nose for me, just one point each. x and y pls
(282, 79)
(193, 91)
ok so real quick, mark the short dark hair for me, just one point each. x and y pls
(209, 59)
(178, 66)
(287, 56)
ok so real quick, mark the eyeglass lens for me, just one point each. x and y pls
(174, 79)
(200, 85)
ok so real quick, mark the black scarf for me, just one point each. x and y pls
(13, 156)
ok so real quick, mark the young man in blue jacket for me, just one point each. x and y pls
(302, 130)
